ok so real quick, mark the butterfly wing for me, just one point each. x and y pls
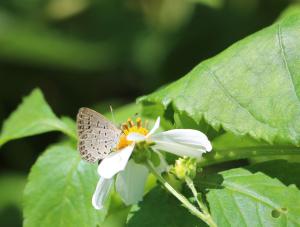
(97, 136)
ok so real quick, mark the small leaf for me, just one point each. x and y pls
(161, 209)
(59, 190)
(33, 116)
(240, 198)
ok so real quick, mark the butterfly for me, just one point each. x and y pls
(97, 136)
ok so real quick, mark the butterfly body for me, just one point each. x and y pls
(97, 136)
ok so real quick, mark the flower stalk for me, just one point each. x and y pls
(201, 205)
(203, 216)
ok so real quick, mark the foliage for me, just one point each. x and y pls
(32, 117)
(246, 99)
(256, 81)
(238, 197)
(168, 214)
(62, 168)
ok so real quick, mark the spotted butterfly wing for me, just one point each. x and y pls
(97, 136)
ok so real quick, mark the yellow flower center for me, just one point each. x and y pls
(130, 127)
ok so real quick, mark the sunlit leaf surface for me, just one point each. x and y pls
(252, 88)
(59, 190)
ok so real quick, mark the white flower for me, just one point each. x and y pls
(181, 142)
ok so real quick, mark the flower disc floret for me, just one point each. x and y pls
(128, 128)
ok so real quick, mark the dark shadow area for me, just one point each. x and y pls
(11, 216)
(286, 172)
(165, 208)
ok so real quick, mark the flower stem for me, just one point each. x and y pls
(201, 205)
(204, 217)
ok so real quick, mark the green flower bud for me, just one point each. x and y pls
(185, 167)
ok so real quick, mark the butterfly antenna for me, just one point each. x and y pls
(112, 114)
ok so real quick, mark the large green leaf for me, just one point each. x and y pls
(161, 209)
(33, 116)
(59, 190)
(240, 198)
(252, 88)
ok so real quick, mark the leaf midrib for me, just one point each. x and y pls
(283, 56)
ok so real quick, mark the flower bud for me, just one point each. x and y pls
(185, 167)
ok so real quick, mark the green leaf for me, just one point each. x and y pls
(290, 10)
(240, 198)
(33, 116)
(59, 190)
(162, 210)
(252, 88)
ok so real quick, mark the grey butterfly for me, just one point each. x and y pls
(97, 136)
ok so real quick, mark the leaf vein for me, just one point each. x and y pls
(283, 55)
(238, 208)
(258, 215)
(222, 208)
(234, 100)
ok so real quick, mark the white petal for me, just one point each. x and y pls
(131, 182)
(101, 193)
(115, 162)
(136, 137)
(190, 137)
(155, 127)
(182, 142)
(180, 150)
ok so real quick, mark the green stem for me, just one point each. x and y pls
(206, 218)
(201, 205)
(224, 155)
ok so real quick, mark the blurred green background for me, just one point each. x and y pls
(95, 53)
